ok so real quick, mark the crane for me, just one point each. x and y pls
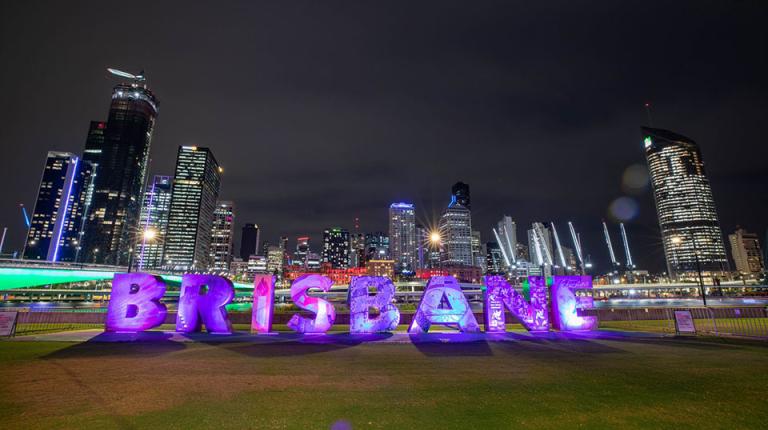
(610, 246)
(576, 244)
(501, 246)
(559, 248)
(542, 247)
(630, 264)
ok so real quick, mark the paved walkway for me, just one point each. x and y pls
(95, 335)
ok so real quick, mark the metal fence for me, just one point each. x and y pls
(714, 321)
(749, 321)
(717, 321)
(39, 321)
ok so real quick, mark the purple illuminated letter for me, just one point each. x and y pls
(360, 303)
(325, 314)
(499, 295)
(134, 304)
(263, 303)
(443, 303)
(565, 304)
(203, 300)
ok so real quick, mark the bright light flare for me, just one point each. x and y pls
(434, 237)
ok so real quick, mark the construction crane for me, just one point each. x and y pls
(559, 247)
(630, 264)
(501, 246)
(511, 248)
(576, 244)
(610, 246)
(542, 248)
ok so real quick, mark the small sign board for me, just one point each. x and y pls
(684, 322)
(7, 323)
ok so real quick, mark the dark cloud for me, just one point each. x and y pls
(321, 112)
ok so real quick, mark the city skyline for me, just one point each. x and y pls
(486, 142)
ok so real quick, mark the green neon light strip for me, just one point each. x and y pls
(14, 278)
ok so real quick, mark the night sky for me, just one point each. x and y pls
(321, 112)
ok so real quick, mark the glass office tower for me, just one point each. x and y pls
(193, 202)
(54, 231)
(690, 229)
(119, 149)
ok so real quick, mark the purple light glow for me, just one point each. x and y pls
(443, 303)
(263, 303)
(360, 303)
(325, 314)
(565, 304)
(499, 295)
(134, 304)
(203, 300)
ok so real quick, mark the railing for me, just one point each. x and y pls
(40, 321)
(744, 321)
(748, 321)
(713, 321)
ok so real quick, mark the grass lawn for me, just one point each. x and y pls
(539, 383)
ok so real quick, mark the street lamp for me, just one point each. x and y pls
(146, 236)
(677, 240)
(435, 242)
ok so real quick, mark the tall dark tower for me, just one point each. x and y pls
(249, 241)
(460, 192)
(120, 151)
(688, 220)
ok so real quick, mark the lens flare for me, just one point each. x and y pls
(635, 179)
(623, 209)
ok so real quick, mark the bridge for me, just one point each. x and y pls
(30, 279)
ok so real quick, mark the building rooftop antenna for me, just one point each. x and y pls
(648, 112)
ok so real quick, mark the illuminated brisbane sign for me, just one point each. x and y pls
(135, 304)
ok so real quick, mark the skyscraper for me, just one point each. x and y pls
(193, 202)
(357, 250)
(265, 245)
(376, 246)
(336, 247)
(283, 245)
(154, 223)
(422, 246)
(402, 236)
(494, 264)
(54, 231)
(94, 145)
(688, 220)
(745, 249)
(456, 232)
(275, 260)
(120, 150)
(460, 192)
(249, 240)
(222, 234)
(505, 235)
(478, 255)
(302, 251)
